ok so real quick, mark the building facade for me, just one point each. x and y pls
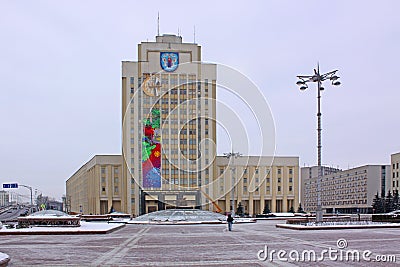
(347, 191)
(97, 187)
(395, 170)
(308, 173)
(168, 111)
(257, 182)
(169, 146)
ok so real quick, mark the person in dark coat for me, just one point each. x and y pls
(230, 222)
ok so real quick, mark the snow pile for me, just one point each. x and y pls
(85, 227)
(4, 259)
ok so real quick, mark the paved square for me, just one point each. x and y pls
(195, 245)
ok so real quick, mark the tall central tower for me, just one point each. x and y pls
(168, 126)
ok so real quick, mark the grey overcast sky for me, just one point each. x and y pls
(60, 68)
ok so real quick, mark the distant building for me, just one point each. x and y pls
(395, 170)
(4, 198)
(97, 186)
(307, 173)
(348, 191)
(259, 182)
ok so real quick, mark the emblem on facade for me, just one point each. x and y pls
(152, 86)
(169, 61)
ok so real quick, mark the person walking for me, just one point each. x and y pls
(230, 222)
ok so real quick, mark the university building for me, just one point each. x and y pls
(257, 182)
(348, 191)
(168, 145)
(97, 186)
(167, 111)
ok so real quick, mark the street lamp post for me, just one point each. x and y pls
(30, 188)
(302, 82)
(232, 155)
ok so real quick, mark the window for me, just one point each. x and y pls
(116, 180)
(279, 180)
(268, 188)
(116, 170)
(221, 171)
(279, 171)
(103, 170)
(244, 189)
(268, 180)
(290, 180)
(116, 189)
(279, 188)
(257, 180)
(290, 188)
(256, 171)
(397, 165)
(245, 170)
(245, 180)
(103, 180)
(290, 171)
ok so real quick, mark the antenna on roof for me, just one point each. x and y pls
(158, 24)
(194, 34)
(178, 31)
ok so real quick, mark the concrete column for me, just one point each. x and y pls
(227, 203)
(262, 203)
(285, 207)
(251, 204)
(273, 204)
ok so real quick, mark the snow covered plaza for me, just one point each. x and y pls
(197, 245)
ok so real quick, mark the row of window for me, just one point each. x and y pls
(103, 170)
(256, 170)
(116, 190)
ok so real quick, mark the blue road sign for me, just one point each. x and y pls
(13, 185)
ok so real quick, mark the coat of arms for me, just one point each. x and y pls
(169, 61)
